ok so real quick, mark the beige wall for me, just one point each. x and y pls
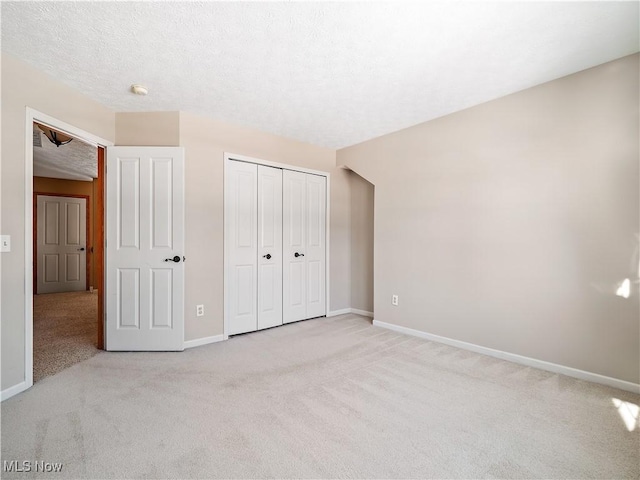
(73, 187)
(205, 143)
(22, 87)
(510, 225)
(362, 208)
(204, 140)
(160, 129)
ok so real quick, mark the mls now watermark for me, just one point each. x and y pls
(28, 466)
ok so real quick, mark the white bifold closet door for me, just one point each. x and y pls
(304, 244)
(253, 210)
(269, 247)
(275, 234)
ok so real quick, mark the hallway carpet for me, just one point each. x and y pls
(65, 331)
(324, 398)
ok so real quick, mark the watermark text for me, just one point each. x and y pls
(26, 466)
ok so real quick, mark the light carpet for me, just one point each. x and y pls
(65, 331)
(324, 398)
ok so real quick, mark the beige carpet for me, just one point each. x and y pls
(64, 331)
(325, 398)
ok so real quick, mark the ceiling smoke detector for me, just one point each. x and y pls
(139, 89)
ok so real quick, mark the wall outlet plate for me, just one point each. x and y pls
(199, 310)
(394, 300)
(5, 243)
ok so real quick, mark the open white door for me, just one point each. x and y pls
(145, 248)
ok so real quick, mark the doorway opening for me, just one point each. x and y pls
(67, 249)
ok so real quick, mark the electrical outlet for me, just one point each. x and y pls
(199, 310)
(394, 300)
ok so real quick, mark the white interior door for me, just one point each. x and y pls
(61, 244)
(241, 221)
(269, 247)
(294, 198)
(145, 248)
(315, 250)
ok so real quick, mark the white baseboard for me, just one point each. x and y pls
(364, 313)
(512, 357)
(344, 311)
(198, 342)
(11, 391)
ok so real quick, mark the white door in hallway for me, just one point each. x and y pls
(304, 245)
(145, 248)
(61, 245)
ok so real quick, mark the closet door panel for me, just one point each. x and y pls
(315, 214)
(294, 246)
(241, 214)
(269, 247)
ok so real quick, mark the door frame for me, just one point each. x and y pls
(87, 236)
(243, 158)
(32, 115)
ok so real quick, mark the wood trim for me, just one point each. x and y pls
(88, 235)
(99, 245)
(35, 244)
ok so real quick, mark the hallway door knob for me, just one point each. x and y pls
(298, 254)
(267, 256)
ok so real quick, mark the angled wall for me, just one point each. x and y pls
(511, 225)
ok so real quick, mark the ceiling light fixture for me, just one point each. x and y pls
(55, 137)
(139, 89)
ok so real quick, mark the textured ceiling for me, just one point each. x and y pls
(332, 74)
(74, 161)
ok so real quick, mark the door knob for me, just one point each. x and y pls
(81, 249)
(174, 259)
(267, 256)
(298, 254)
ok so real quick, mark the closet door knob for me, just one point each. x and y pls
(174, 259)
(267, 256)
(298, 254)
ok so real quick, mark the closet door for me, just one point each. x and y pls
(316, 206)
(304, 250)
(241, 221)
(269, 247)
(294, 197)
